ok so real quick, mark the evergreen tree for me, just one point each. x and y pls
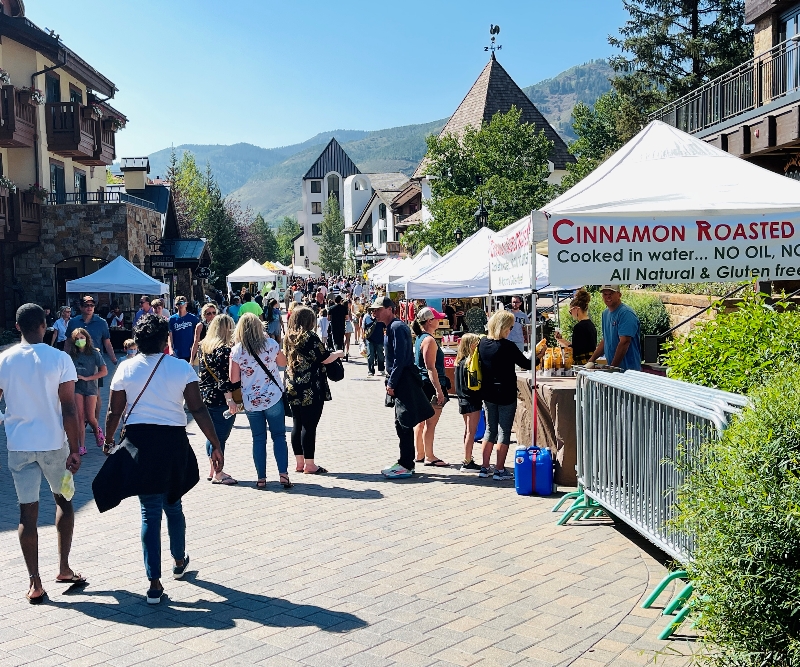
(220, 230)
(264, 237)
(671, 47)
(331, 238)
(288, 229)
(505, 162)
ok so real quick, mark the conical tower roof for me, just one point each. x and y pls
(333, 158)
(494, 91)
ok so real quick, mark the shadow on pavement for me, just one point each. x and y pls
(127, 608)
(305, 489)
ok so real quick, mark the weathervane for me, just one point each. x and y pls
(493, 30)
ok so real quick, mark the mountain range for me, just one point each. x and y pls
(268, 180)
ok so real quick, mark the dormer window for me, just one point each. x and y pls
(381, 211)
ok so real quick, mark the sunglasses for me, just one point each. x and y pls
(211, 312)
(87, 305)
(181, 303)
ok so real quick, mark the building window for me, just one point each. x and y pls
(302, 251)
(75, 94)
(80, 185)
(316, 207)
(382, 237)
(58, 186)
(381, 211)
(368, 238)
(333, 186)
(52, 89)
(316, 229)
(316, 187)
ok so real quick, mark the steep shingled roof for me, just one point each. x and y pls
(333, 158)
(494, 91)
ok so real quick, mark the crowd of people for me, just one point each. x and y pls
(249, 358)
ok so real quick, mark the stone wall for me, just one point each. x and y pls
(106, 231)
(682, 306)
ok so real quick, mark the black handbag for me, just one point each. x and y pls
(335, 370)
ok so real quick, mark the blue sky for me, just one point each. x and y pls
(276, 73)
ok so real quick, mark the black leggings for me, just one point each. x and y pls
(304, 430)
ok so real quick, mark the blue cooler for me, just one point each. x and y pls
(542, 465)
(480, 431)
(523, 471)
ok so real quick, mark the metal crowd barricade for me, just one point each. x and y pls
(633, 429)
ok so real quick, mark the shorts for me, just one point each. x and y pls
(467, 407)
(348, 327)
(27, 468)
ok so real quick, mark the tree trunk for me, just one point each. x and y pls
(697, 70)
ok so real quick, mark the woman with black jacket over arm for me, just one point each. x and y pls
(499, 358)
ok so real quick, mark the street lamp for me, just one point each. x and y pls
(481, 216)
(459, 235)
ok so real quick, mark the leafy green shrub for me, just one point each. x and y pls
(739, 350)
(743, 507)
(706, 289)
(650, 310)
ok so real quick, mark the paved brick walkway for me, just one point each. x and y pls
(344, 569)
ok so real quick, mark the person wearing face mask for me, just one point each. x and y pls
(131, 348)
(181, 330)
(90, 366)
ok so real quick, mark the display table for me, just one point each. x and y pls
(555, 421)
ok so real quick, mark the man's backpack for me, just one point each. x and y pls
(474, 375)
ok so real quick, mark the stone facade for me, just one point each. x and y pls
(106, 231)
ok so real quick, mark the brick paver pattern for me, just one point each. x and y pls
(345, 569)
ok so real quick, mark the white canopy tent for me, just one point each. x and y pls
(297, 270)
(119, 276)
(250, 272)
(393, 271)
(380, 271)
(464, 272)
(664, 179)
(424, 259)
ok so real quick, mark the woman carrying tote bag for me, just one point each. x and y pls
(153, 459)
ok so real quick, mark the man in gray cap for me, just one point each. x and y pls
(403, 386)
(621, 332)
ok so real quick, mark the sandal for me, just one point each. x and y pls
(438, 463)
(226, 479)
(287, 484)
(422, 460)
(261, 484)
(75, 580)
(319, 471)
(38, 599)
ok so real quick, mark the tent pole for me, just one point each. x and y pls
(533, 341)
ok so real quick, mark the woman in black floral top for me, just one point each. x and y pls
(216, 387)
(306, 385)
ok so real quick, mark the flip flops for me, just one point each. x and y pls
(319, 471)
(437, 463)
(36, 600)
(75, 580)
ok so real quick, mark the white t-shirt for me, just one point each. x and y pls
(258, 391)
(162, 402)
(272, 294)
(322, 323)
(298, 296)
(29, 377)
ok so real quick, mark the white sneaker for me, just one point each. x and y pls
(396, 472)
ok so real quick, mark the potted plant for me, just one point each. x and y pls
(92, 111)
(6, 186)
(114, 123)
(5, 78)
(35, 194)
(32, 96)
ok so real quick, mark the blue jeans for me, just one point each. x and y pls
(374, 351)
(274, 418)
(222, 427)
(152, 505)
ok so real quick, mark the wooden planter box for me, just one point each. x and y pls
(30, 198)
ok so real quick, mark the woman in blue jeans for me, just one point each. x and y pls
(216, 387)
(255, 358)
(154, 461)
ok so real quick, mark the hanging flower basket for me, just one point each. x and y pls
(32, 96)
(7, 186)
(5, 78)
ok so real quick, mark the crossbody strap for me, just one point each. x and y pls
(208, 368)
(266, 370)
(127, 416)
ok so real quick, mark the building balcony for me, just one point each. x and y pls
(71, 130)
(23, 218)
(17, 119)
(84, 198)
(752, 110)
(104, 145)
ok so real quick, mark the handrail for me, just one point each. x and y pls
(59, 198)
(767, 76)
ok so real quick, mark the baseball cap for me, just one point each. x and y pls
(87, 299)
(382, 302)
(613, 288)
(425, 314)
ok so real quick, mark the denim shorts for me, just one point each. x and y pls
(499, 422)
(27, 469)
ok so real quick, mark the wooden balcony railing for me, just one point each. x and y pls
(69, 133)
(104, 145)
(769, 76)
(24, 219)
(3, 213)
(19, 119)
